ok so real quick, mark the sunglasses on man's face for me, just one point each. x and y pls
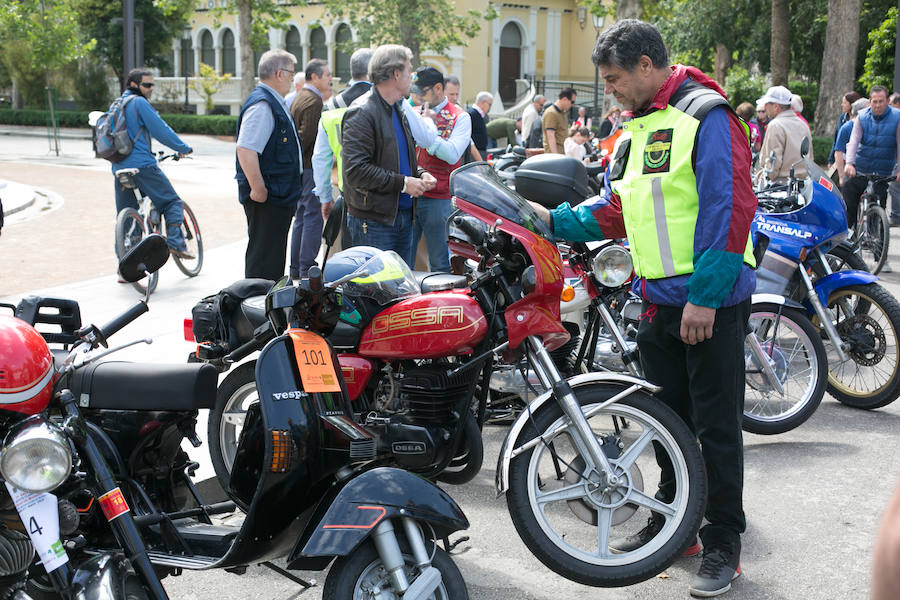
(146, 85)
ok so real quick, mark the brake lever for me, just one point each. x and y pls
(338, 282)
(77, 364)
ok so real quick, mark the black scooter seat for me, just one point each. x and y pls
(254, 309)
(145, 387)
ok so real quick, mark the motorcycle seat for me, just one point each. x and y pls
(595, 168)
(439, 282)
(254, 310)
(145, 387)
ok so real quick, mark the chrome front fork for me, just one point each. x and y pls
(388, 548)
(821, 311)
(584, 437)
(613, 327)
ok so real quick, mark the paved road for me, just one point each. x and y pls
(813, 496)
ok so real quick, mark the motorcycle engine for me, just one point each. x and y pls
(430, 396)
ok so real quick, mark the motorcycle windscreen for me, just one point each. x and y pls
(383, 278)
(479, 184)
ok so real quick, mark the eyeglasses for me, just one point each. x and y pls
(146, 85)
(287, 71)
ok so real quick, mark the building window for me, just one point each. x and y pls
(510, 63)
(228, 52)
(187, 58)
(317, 46)
(292, 45)
(207, 52)
(341, 54)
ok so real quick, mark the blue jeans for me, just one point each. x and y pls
(431, 219)
(152, 182)
(396, 237)
(306, 232)
(894, 191)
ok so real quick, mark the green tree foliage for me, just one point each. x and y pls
(879, 65)
(91, 87)
(424, 26)
(162, 24)
(742, 86)
(209, 84)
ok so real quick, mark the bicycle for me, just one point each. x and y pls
(872, 234)
(132, 225)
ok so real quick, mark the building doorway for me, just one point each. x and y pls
(510, 63)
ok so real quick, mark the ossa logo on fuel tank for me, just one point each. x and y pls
(417, 317)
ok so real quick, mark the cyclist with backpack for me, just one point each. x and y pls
(143, 123)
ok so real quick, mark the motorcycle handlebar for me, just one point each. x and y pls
(124, 319)
(475, 233)
(315, 278)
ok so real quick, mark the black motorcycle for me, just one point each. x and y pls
(306, 494)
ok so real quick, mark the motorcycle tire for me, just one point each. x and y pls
(575, 552)
(874, 241)
(799, 362)
(191, 232)
(469, 458)
(130, 229)
(842, 257)
(871, 378)
(237, 389)
(363, 567)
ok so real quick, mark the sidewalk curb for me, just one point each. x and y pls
(40, 132)
(14, 204)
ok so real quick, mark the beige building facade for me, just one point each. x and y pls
(529, 40)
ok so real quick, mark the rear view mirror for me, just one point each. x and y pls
(804, 147)
(148, 256)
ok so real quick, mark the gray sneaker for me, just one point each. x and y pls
(719, 566)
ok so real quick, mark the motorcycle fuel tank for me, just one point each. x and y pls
(428, 326)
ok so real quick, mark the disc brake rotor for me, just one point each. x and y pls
(866, 338)
(587, 511)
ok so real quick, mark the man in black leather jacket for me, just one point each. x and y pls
(381, 177)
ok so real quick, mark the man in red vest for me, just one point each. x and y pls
(440, 158)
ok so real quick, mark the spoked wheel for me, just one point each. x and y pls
(842, 257)
(130, 230)
(796, 354)
(568, 514)
(874, 238)
(191, 232)
(362, 576)
(868, 320)
(236, 392)
(467, 462)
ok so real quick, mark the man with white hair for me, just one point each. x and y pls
(532, 115)
(299, 82)
(784, 133)
(268, 166)
(478, 114)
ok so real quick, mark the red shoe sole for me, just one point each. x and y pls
(692, 550)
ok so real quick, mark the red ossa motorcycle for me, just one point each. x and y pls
(414, 358)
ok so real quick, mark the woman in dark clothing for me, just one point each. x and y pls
(848, 99)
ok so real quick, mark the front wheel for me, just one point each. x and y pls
(796, 355)
(868, 320)
(236, 392)
(567, 514)
(194, 242)
(362, 576)
(873, 238)
(130, 230)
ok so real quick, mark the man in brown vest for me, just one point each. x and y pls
(440, 158)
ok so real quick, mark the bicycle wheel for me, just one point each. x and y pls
(191, 232)
(130, 230)
(874, 237)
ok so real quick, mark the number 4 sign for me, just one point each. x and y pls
(40, 515)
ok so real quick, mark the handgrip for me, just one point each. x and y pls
(476, 234)
(124, 319)
(315, 278)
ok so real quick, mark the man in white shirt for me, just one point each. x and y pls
(532, 115)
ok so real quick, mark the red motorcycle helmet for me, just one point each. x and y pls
(26, 368)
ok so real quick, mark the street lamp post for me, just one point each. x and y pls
(185, 41)
(598, 25)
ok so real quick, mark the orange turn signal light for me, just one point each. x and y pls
(282, 451)
(568, 293)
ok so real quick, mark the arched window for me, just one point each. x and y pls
(207, 52)
(341, 55)
(187, 58)
(317, 46)
(228, 53)
(292, 45)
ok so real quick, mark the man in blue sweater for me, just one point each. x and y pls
(144, 123)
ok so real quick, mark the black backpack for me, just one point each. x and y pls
(212, 314)
(111, 139)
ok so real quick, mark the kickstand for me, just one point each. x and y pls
(448, 547)
(291, 576)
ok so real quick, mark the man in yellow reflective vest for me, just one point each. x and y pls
(679, 189)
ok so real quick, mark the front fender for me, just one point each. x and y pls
(368, 499)
(775, 299)
(826, 285)
(101, 577)
(510, 443)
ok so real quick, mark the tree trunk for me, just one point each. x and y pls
(838, 73)
(722, 63)
(245, 18)
(628, 9)
(780, 52)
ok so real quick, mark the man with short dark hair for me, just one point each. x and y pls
(679, 190)
(555, 122)
(268, 166)
(144, 123)
(503, 130)
(451, 89)
(306, 109)
(381, 175)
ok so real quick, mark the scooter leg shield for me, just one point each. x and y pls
(365, 501)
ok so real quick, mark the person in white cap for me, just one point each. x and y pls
(784, 133)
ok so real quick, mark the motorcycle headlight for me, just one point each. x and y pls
(35, 456)
(612, 266)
